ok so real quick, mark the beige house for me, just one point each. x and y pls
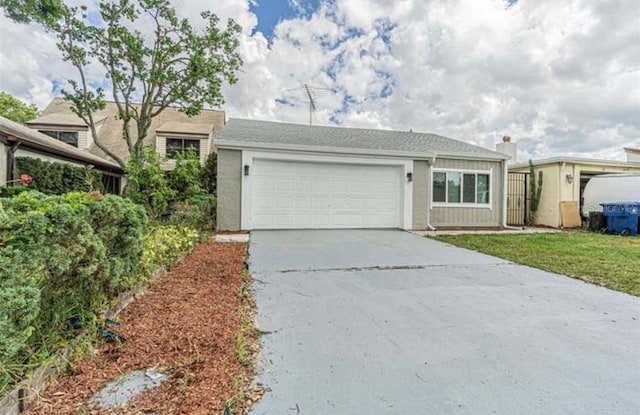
(288, 176)
(16, 141)
(564, 180)
(171, 132)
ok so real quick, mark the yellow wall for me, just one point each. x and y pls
(556, 188)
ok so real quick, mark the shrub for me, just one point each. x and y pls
(185, 178)
(147, 184)
(164, 244)
(198, 212)
(210, 173)
(63, 259)
(59, 178)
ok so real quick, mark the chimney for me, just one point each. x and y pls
(508, 148)
(633, 155)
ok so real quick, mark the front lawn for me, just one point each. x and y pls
(608, 260)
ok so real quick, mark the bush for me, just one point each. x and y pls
(210, 173)
(58, 178)
(185, 178)
(62, 260)
(164, 244)
(147, 184)
(198, 212)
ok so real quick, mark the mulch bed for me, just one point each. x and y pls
(186, 326)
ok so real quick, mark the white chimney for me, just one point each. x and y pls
(508, 148)
(633, 155)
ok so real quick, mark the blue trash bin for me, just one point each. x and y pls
(622, 217)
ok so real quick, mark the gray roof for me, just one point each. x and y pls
(44, 143)
(241, 133)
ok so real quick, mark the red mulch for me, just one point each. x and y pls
(185, 325)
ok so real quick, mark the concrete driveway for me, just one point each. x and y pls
(386, 322)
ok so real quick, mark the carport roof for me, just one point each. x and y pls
(251, 134)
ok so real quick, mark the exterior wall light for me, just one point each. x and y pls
(246, 169)
(409, 177)
(569, 178)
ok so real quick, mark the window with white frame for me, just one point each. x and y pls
(462, 188)
(182, 145)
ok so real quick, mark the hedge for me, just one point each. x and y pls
(63, 260)
(59, 178)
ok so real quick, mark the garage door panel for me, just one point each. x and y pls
(293, 194)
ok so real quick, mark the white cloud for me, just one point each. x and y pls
(562, 78)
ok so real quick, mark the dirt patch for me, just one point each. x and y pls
(187, 326)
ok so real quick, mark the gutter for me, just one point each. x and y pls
(505, 193)
(430, 199)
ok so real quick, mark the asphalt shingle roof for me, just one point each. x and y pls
(35, 138)
(59, 113)
(248, 133)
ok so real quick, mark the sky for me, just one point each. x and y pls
(562, 78)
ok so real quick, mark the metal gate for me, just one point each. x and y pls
(518, 199)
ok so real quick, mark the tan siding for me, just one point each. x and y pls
(3, 164)
(84, 140)
(229, 188)
(420, 194)
(472, 217)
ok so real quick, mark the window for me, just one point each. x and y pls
(69, 137)
(182, 145)
(461, 188)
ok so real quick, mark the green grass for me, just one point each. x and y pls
(608, 260)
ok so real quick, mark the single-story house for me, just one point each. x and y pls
(171, 132)
(285, 176)
(564, 180)
(16, 140)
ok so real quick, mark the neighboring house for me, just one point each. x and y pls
(171, 131)
(16, 140)
(284, 176)
(564, 180)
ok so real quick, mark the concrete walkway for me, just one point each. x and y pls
(387, 322)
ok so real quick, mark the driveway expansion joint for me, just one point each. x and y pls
(388, 268)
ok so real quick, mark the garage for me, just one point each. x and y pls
(290, 194)
(273, 175)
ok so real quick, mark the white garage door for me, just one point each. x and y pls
(295, 194)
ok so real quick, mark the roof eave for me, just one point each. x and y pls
(97, 161)
(235, 145)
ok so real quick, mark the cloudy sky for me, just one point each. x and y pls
(561, 77)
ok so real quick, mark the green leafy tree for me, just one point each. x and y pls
(174, 65)
(16, 110)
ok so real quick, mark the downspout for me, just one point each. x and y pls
(505, 192)
(430, 198)
(560, 184)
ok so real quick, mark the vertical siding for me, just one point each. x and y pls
(3, 164)
(420, 194)
(84, 139)
(463, 216)
(229, 188)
